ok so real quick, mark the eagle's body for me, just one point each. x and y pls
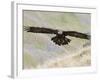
(60, 37)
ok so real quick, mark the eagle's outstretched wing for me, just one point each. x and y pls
(76, 34)
(60, 37)
(40, 30)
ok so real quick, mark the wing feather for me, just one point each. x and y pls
(40, 30)
(76, 34)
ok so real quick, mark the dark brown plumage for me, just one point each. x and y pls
(60, 37)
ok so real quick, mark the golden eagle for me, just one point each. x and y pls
(60, 38)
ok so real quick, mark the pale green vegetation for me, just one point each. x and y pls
(29, 61)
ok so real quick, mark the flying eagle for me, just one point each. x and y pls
(60, 38)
